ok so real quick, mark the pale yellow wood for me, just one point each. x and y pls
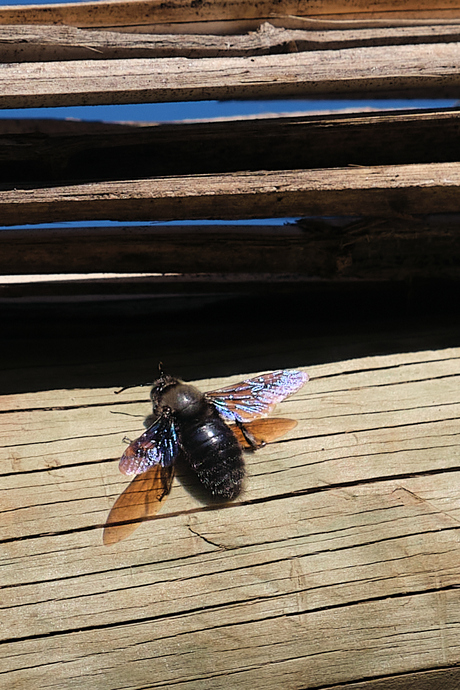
(340, 561)
(405, 69)
(411, 629)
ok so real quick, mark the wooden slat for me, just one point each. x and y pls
(338, 563)
(371, 249)
(29, 43)
(384, 191)
(138, 12)
(121, 286)
(196, 291)
(44, 151)
(405, 70)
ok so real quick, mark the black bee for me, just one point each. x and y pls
(194, 425)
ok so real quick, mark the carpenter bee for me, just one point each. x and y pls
(193, 425)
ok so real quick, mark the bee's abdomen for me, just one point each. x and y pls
(215, 455)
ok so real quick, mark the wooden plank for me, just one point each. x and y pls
(338, 564)
(116, 286)
(44, 151)
(405, 70)
(200, 290)
(216, 665)
(372, 249)
(386, 191)
(138, 12)
(29, 43)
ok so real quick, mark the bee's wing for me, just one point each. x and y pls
(263, 430)
(141, 499)
(159, 445)
(252, 398)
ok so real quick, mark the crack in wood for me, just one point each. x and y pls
(200, 609)
(264, 564)
(413, 677)
(206, 540)
(248, 502)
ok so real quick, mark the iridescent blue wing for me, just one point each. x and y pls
(252, 398)
(159, 445)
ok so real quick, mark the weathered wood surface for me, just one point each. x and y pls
(368, 249)
(44, 151)
(381, 190)
(339, 562)
(150, 12)
(405, 70)
(115, 287)
(27, 43)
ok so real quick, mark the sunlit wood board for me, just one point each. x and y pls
(338, 563)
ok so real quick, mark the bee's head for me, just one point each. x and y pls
(160, 386)
(182, 398)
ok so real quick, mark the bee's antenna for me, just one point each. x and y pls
(133, 385)
(136, 385)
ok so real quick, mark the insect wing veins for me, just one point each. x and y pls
(252, 398)
(158, 445)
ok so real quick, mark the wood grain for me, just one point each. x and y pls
(138, 12)
(385, 190)
(341, 557)
(405, 70)
(27, 43)
(371, 249)
(39, 152)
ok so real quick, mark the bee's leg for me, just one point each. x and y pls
(250, 438)
(167, 479)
